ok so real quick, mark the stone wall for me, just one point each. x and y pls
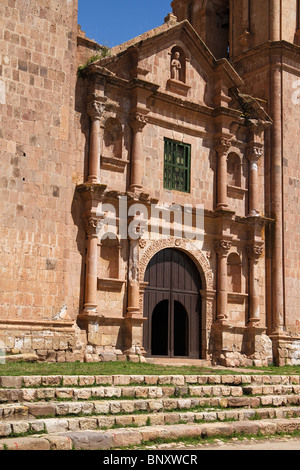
(40, 272)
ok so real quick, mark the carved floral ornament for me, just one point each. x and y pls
(93, 225)
(222, 146)
(254, 252)
(138, 122)
(95, 109)
(222, 247)
(254, 153)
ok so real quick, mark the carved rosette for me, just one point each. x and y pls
(142, 243)
(138, 122)
(222, 247)
(222, 146)
(254, 252)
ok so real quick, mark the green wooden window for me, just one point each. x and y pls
(177, 166)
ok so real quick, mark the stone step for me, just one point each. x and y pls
(271, 389)
(62, 416)
(125, 437)
(13, 411)
(19, 382)
(93, 422)
(87, 393)
(8, 395)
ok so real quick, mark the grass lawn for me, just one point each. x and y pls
(130, 368)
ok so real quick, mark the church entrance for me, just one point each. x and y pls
(172, 306)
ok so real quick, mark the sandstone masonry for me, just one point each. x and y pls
(201, 111)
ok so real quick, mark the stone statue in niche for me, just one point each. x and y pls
(175, 66)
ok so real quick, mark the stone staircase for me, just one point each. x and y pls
(121, 411)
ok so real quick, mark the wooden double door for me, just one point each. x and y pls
(172, 306)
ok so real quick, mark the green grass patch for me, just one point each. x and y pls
(130, 368)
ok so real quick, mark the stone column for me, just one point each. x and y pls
(222, 248)
(254, 253)
(95, 110)
(222, 147)
(278, 307)
(254, 153)
(275, 20)
(137, 123)
(92, 226)
(133, 307)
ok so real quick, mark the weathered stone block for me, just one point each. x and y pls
(11, 382)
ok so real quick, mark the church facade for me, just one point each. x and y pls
(150, 192)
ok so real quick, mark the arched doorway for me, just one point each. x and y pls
(172, 306)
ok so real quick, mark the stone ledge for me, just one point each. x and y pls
(21, 357)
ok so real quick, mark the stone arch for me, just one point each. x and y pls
(195, 254)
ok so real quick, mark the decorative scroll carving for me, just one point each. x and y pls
(133, 270)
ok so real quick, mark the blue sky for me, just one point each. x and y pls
(111, 22)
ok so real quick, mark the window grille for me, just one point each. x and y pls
(177, 166)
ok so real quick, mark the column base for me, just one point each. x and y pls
(90, 309)
(253, 322)
(221, 206)
(254, 213)
(93, 179)
(136, 188)
(133, 312)
(221, 321)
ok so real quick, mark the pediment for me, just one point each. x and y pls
(175, 59)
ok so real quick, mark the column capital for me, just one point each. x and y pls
(138, 121)
(222, 145)
(95, 109)
(93, 225)
(254, 152)
(254, 252)
(222, 247)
